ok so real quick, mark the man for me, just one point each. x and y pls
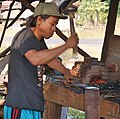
(25, 98)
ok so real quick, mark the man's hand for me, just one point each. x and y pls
(68, 78)
(72, 41)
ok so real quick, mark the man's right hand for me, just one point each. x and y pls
(72, 41)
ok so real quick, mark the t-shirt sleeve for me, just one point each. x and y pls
(32, 44)
(27, 45)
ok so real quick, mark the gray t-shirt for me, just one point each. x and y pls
(23, 91)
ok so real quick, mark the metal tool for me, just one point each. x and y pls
(76, 82)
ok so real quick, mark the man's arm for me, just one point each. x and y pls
(57, 65)
(45, 56)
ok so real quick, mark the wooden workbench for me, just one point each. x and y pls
(58, 96)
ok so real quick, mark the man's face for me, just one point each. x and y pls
(48, 27)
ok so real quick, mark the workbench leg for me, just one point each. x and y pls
(92, 103)
(52, 110)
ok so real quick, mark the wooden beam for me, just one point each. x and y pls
(3, 54)
(110, 27)
(52, 110)
(6, 23)
(27, 5)
(63, 96)
(109, 110)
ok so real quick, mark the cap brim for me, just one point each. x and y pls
(56, 15)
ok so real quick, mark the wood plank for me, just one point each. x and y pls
(109, 110)
(63, 96)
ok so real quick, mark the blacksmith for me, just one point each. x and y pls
(25, 98)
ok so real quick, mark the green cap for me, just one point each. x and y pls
(48, 8)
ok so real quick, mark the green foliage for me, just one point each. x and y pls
(75, 114)
(92, 11)
(119, 10)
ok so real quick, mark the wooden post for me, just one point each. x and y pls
(110, 27)
(52, 110)
(92, 103)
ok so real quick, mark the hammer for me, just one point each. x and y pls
(71, 12)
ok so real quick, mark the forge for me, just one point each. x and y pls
(90, 73)
(96, 73)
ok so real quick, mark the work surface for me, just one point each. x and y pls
(74, 97)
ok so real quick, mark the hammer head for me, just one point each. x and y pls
(102, 0)
(71, 9)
